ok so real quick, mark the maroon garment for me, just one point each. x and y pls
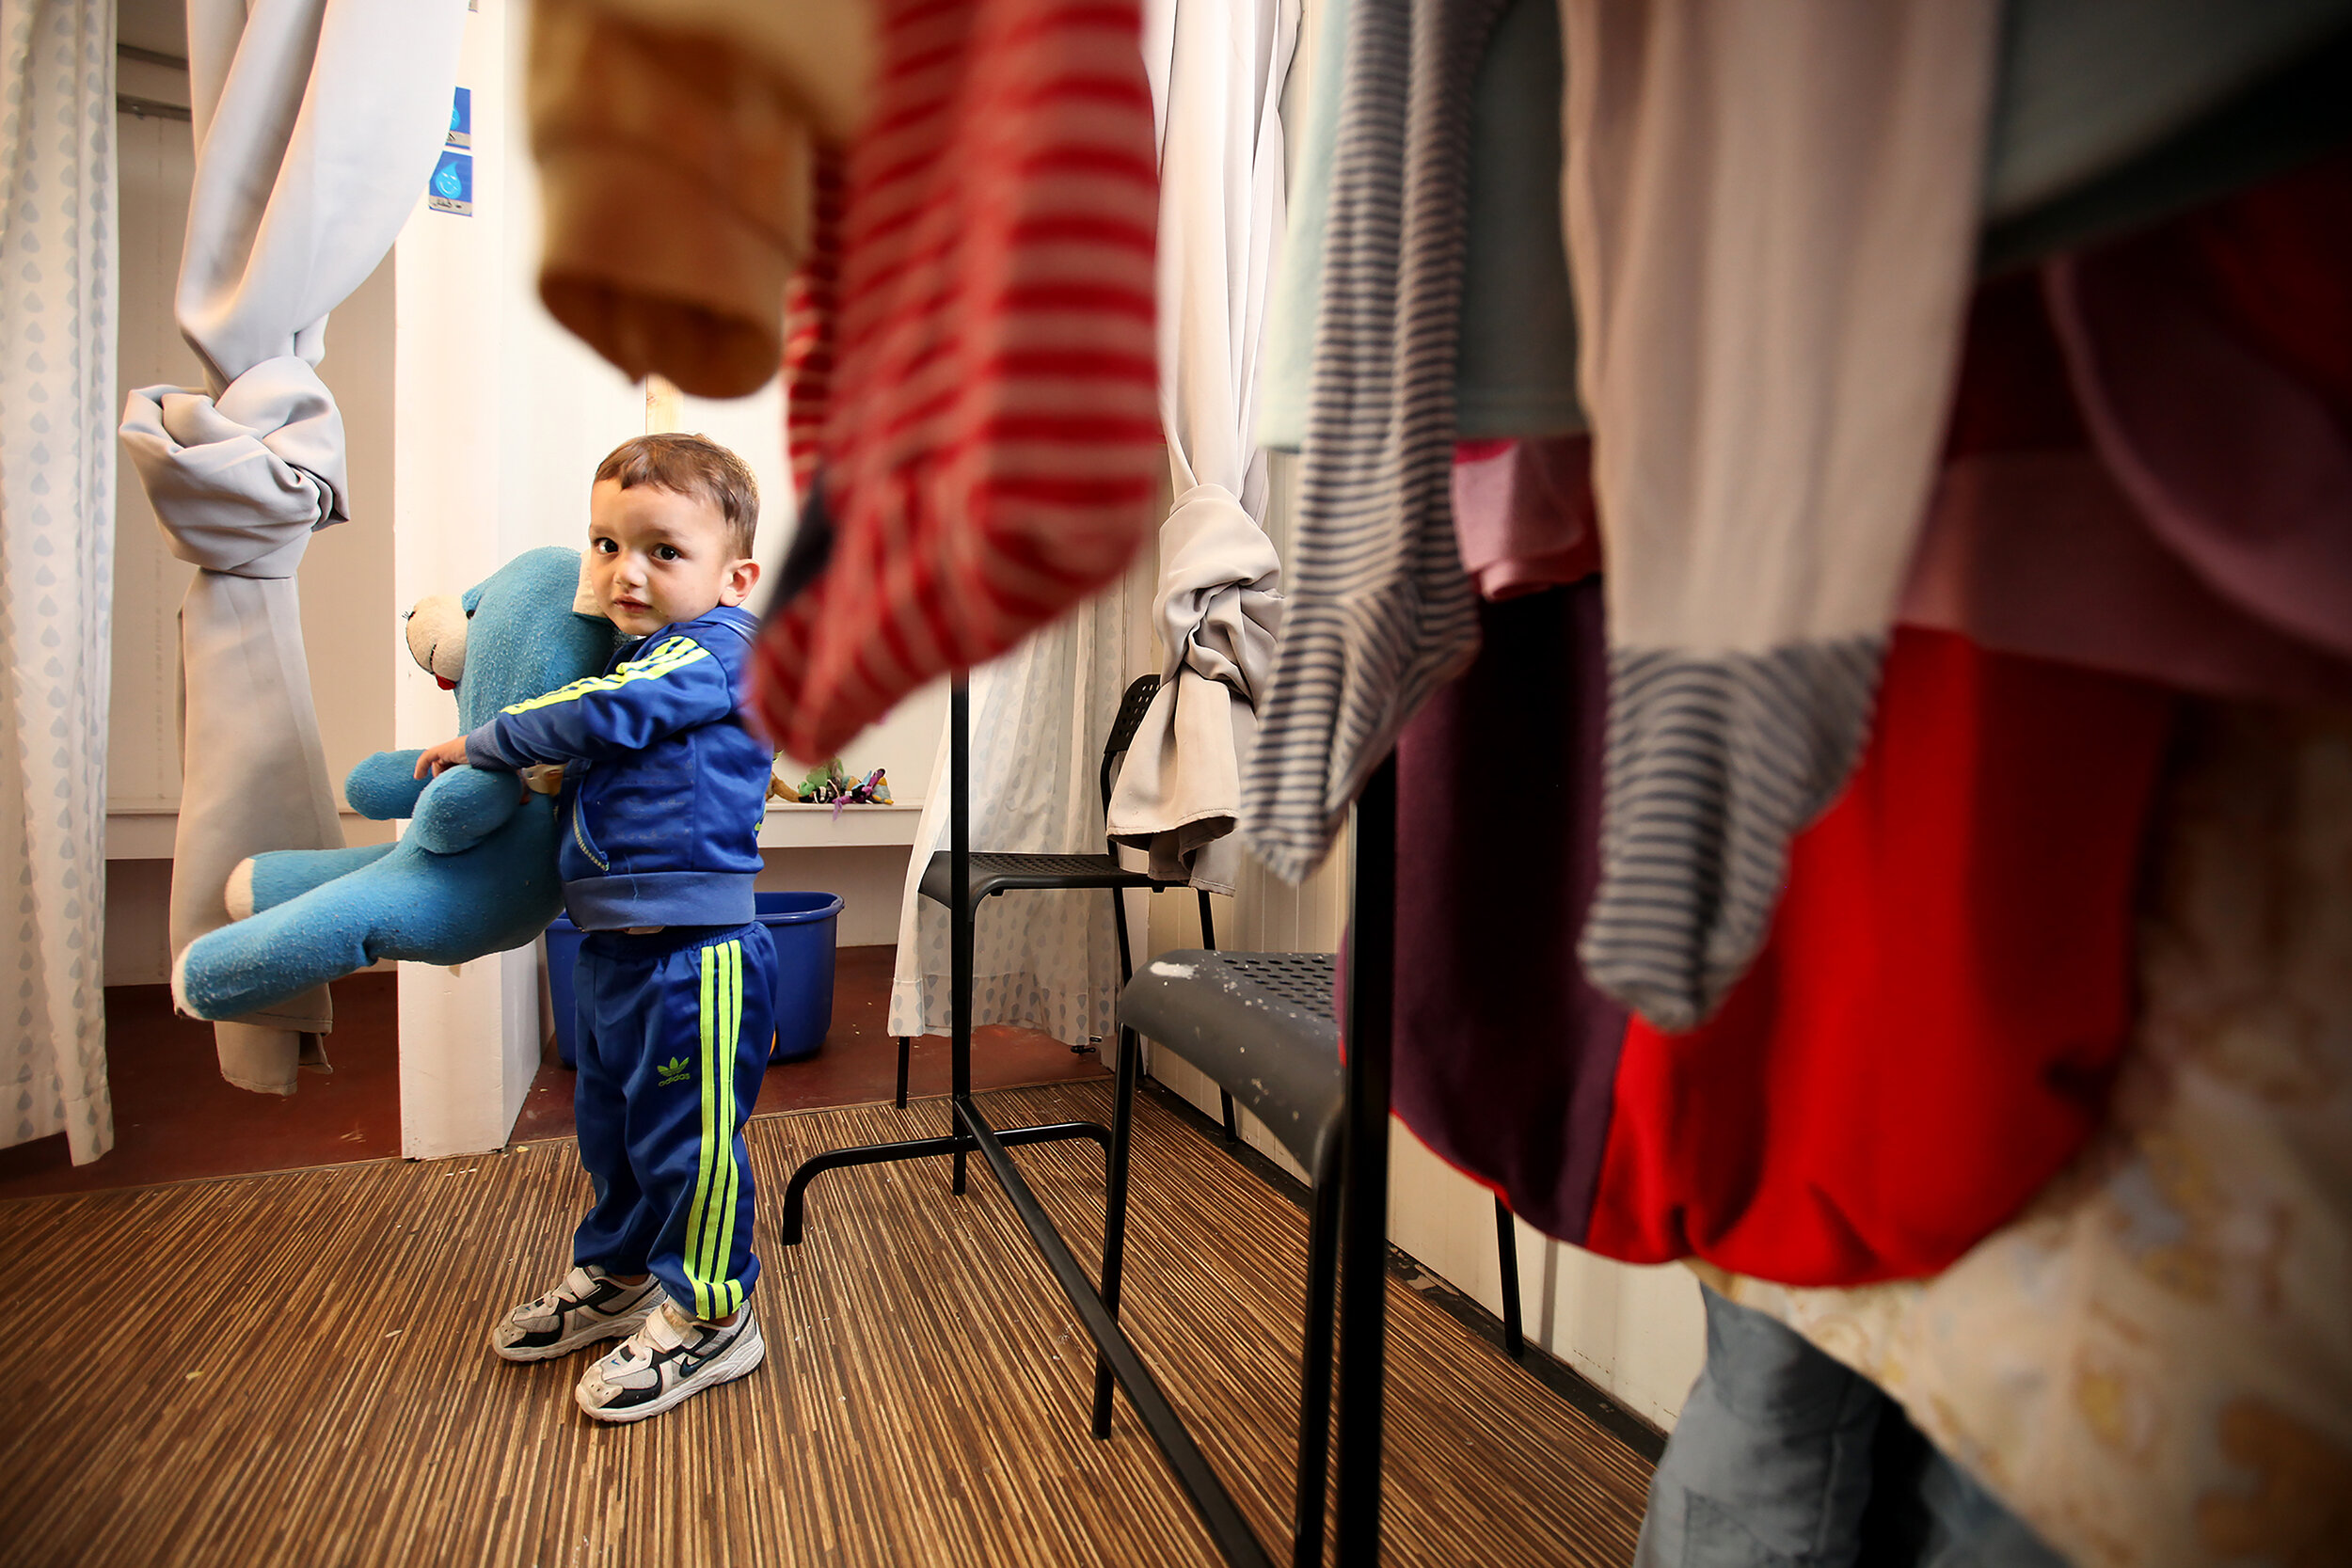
(1504, 1055)
(2150, 464)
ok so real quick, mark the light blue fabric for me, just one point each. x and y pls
(475, 872)
(1516, 374)
(1286, 363)
(1515, 370)
(1771, 1466)
(2085, 84)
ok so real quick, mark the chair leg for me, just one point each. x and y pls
(905, 1045)
(1507, 1252)
(1115, 1213)
(1208, 940)
(960, 1062)
(1315, 1375)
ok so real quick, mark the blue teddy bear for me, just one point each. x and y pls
(475, 872)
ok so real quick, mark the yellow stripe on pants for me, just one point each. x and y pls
(698, 1227)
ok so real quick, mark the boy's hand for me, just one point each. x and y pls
(434, 760)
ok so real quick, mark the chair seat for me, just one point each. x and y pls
(1005, 873)
(1261, 1026)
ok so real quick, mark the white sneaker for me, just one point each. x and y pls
(669, 1360)
(588, 1307)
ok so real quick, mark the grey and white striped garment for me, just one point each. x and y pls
(1714, 763)
(1770, 214)
(1380, 612)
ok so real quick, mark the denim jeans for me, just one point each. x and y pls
(1786, 1458)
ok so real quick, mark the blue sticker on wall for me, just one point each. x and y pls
(461, 120)
(452, 189)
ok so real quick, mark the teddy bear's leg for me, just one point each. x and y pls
(251, 964)
(265, 882)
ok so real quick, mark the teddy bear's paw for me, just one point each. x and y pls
(180, 1003)
(238, 895)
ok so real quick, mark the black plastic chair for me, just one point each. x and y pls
(1261, 1026)
(1361, 1185)
(993, 872)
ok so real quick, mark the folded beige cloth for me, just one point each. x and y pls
(674, 143)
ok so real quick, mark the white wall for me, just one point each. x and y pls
(500, 419)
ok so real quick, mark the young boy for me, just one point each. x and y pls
(662, 794)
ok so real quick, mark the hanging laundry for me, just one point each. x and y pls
(1771, 221)
(1924, 1039)
(1379, 613)
(1287, 351)
(2213, 363)
(673, 144)
(812, 306)
(1216, 69)
(991, 443)
(1926, 1036)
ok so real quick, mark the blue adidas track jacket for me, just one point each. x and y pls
(664, 787)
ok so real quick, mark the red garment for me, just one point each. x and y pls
(1926, 1038)
(1523, 513)
(990, 449)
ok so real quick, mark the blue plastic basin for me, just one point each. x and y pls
(802, 924)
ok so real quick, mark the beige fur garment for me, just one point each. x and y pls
(2153, 1365)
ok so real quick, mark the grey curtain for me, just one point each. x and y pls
(57, 312)
(317, 124)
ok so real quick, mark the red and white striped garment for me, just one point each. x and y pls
(983, 406)
(812, 306)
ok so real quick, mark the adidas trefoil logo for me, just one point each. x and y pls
(676, 1070)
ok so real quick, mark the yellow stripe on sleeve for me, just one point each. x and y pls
(672, 657)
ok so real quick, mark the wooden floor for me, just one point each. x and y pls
(291, 1370)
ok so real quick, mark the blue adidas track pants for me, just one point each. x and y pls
(675, 1029)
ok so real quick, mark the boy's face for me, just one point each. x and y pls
(656, 556)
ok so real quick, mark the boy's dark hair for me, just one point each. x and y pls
(690, 465)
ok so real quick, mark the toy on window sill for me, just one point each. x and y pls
(829, 785)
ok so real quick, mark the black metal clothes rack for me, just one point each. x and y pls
(1362, 1196)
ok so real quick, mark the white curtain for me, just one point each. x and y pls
(1040, 716)
(57, 307)
(317, 124)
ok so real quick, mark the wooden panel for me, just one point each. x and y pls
(319, 1389)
